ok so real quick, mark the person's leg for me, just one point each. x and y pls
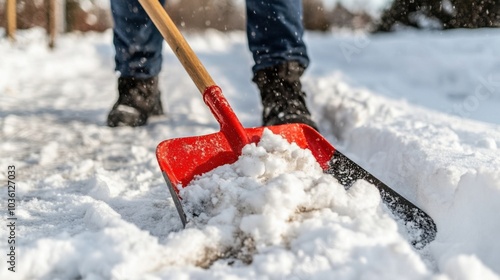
(275, 31)
(138, 45)
(137, 42)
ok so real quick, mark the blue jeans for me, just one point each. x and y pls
(274, 31)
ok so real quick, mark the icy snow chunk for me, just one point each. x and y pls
(487, 143)
(99, 189)
(100, 215)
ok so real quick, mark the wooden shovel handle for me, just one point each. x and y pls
(11, 19)
(178, 44)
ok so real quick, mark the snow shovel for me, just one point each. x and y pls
(182, 159)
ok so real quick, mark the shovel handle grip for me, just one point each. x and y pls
(178, 44)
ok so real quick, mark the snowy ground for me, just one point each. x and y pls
(419, 110)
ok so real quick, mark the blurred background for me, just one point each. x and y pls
(227, 15)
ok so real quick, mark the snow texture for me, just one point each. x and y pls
(418, 110)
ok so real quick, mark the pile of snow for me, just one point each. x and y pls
(91, 202)
(275, 210)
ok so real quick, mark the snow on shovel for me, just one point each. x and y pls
(182, 159)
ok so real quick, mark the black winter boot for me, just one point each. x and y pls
(282, 96)
(138, 100)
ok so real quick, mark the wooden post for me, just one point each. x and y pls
(11, 19)
(52, 23)
(56, 20)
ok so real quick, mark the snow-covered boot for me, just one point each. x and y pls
(138, 100)
(282, 96)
